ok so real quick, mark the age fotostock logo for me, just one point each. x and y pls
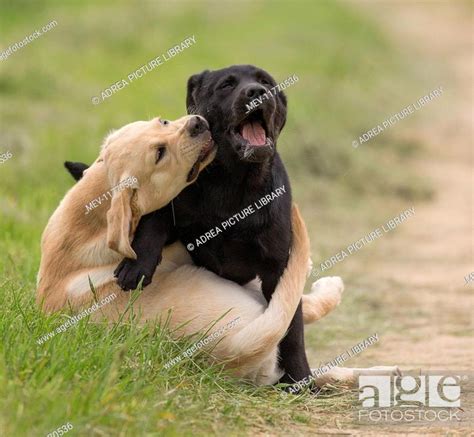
(410, 398)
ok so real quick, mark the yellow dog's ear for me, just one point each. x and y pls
(122, 220)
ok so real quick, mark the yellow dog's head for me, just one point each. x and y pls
(148, 163)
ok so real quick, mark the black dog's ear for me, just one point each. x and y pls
(76, 169)
(194, 84)
(280, 115)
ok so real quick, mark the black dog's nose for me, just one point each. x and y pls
(197, 125)
(254, 91)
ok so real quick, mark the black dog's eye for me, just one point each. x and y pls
(164, 122)
(160, 153)
(228, 83)
(264, 81)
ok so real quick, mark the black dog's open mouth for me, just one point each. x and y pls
(253, 130)
(205, 153)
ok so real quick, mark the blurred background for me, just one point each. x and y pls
(358, 63)
(351, 78)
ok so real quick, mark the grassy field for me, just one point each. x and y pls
(111, 381)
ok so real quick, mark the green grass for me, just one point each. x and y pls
(102, 380)
(111, 380)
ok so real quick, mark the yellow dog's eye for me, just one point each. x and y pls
(160, 153)
(164, 122)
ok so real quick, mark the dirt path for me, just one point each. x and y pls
(433, 253)
(422, 270)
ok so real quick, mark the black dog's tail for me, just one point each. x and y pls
(76, 169)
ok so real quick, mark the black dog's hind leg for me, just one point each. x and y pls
(76, 169)
(153, 231)
(292, 350)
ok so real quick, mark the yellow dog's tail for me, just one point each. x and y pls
(263, 334)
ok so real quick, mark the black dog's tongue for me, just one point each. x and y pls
(254, 133)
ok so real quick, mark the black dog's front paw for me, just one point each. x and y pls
(130, 272)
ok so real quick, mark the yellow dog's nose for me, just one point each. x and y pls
(197, 125)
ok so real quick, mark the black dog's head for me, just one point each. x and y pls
(224, 97)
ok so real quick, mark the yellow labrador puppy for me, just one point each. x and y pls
(157, 159)
(141, 168)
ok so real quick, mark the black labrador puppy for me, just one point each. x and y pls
(247, 167)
